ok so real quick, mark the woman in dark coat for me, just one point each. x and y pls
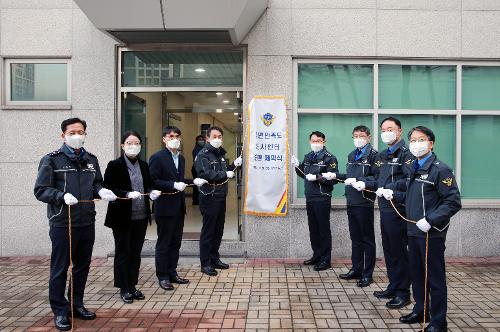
(128, 177)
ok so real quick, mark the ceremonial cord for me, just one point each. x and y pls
(426, 244)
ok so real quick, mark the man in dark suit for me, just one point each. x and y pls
(167, 173)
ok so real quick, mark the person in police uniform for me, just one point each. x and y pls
(65, 177)
(360, 205)
(393, 164)
(431, 198)
(318, 165)
(213, 171)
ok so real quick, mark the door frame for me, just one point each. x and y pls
(179, 47)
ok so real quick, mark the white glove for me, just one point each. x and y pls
(134, 195)
(380, 192)
(423, 225)
(107, 195)
(237, 162)
(349, 181)
(180, 186)
(311, 177)
(70, 199)
(230, 174)
(329, 175)
(199, 182)
(154, 194)
(295, 162)
(388, 194)
(359, 185)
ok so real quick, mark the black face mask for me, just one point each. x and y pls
(201, 143)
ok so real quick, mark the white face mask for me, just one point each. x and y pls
(316, 147)
(132, 150)
(216, 142)
(419, 149)
(359, 142)
(174, 143)
(388, 137)
(75, 141)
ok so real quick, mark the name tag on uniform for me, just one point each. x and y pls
(394, 160)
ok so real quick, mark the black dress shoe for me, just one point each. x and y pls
(209, 270)
(137, 294)
(411, 318)
(430, 328)
(126, 296)
(218, 264)
(398, 303)
(179, 280)
(321, 266)
(364, 282)
(311, 261)
(62, 323)
(385, 294)
(166, 285)
(84, 314)
(350, 275)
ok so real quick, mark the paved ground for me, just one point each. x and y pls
(256, 295)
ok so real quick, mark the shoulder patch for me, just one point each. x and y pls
(53, 153)
(448, 182)
(333, 165)
(378, 163)
(408, 162)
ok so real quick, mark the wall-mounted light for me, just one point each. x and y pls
(218, 110)
(200, 70)
(225, 101)
(218, 93)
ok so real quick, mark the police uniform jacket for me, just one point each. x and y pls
(362, 169)
(211, 165)
(391, 167)
(431, 192)
(62, 172)
(317, 163)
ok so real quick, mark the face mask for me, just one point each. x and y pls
(201, 143)
(216, 142)
(174, 143)
(388, 137)
(316, 147)
(359, 142)
(75, 141)
(132, 150)
(419, 149)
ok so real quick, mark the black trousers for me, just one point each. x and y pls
(196, 192)
(169, 242)
(82, 245)
(213, 211)
(361, 231)
(320, 234)
(436, 278)
(395, 245)
(128, 247)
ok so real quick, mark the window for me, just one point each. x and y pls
(38, 82)
(459, 101)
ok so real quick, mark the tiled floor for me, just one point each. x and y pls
(260, 294)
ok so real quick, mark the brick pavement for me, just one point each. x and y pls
(261, 294)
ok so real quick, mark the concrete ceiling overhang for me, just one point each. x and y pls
(163, 21)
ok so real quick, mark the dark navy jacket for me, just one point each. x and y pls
(360, 169)
(430, 192)
(321, 189)
(163, 175)
(390, 167)
(211, 165)
(63, 172)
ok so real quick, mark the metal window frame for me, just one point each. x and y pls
(375, 112)
(7, 102)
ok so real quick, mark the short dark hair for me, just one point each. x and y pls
(393, 119)
(71, 121)
(171, 129)
(198, 137)
(363, 129)
(219, 129)
(317, 133)
(424, 130)
(131, 133)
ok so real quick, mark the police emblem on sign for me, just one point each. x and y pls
(267, 119)
(448, 181)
